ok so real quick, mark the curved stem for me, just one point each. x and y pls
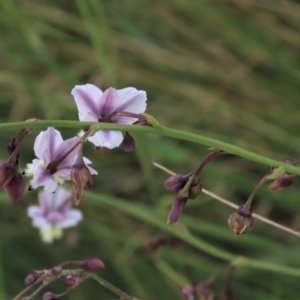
(160, 130)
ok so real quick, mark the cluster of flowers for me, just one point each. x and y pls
(59, 160)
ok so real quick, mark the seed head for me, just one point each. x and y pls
(241, 221)
(16, 187)
(7, 172)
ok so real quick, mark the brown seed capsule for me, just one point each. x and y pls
(7, 172)
(81, 178)
(93, 265)
(204, 291)
(241, 221)
(16, 187)
(195, 189)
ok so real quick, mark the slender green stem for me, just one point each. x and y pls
(160, 130)
(110, 286)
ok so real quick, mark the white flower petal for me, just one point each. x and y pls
(46, 143)
(87, 98)
(71, 218)
(107, 138)
(87, 162)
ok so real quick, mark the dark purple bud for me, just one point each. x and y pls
(281, 182)
(195, 189)
(128, 143)
(204, 291)
(72, 280)
(81, 178)
(31, 279)
(7, 172)
(189, 291)
(227, 295)
(55, 271)
(175, 183)
(93, 265)
(176, 209)
(16, 187)
(49, 296)
(241, 221)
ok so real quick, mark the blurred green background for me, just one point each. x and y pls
(229, 70)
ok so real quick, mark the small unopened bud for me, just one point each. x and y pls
(16, 187)
(281, 182)
(176, 209)
(72, 280)
(81, 178)
(204, 291)
(240, 222)
(93, 265)
(188, 291)
(49, 296)
(31, 279)
(195, 189)
(7, 172)
(227, 295)
(55, 270)
(128, 143)
(175, 183)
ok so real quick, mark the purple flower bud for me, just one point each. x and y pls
(49, 296)
(55, 270)
(189, 291)
(281, 182)
(175, 183)
(72, 280)
(31, 279)
(240, 222)
(128, 143)
(204, 290)
(93, 265)
(176, 209)
(81, 178)
(16, 187)
(7, 172)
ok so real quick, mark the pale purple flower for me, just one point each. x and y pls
(96, 106)
(55, 158)
(54, 213)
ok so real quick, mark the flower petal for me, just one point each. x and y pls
(46, 143)
(41, 222)
(87, 98)
(70, 219)
(107, 138)
(130, 100)
(87, 162)
(108, 102)
(64, 148)
(42, 178)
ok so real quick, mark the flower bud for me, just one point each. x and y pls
(128, 143)
(49, 296)
(31, 279)
(281, 182)
(16, 187)
(188, 291)
(81, 178)
(176, 209)
(240, 221)
(195, 189)
(204, 291)
(72, 280)
(174, 183)
(7, 172)
(55, 270)
(93, 265)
